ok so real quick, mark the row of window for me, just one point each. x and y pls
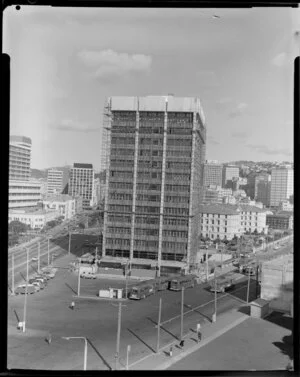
(217, 229)
(25, 194)
(213, 221)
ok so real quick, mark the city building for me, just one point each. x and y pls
(23, 194)
(225, 221)
(97, 191)
(54, 182)
(78, 204)
(282, 184)
(19, 158)
(37, 219)
(154, 171)
(286, 205)
(212, 173)
(262, 188)
(214, 194)
(81, 182)
(229, 172)
(65, 205)
(277, 278)
(281, 220)
(250, 187)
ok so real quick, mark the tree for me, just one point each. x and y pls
(81, 225)
(16, 227)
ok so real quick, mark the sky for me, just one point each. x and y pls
(66, 61)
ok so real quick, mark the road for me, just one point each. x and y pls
(48, 310)
(58, 246)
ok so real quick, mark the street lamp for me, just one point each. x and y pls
(85, 347)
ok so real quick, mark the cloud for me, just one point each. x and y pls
(108, 63)
(207, 78)
(211, 140)
(266, 150)
(239, 110)
(239, 134)
(224, 101)
(73, 126)
(280, 59)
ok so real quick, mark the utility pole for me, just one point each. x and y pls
(118, 336)
(27, 262)
(13, 274)
(206, 263)
(248, 286)
(26, 292)
(78, 288)
(69, 250)
(181, 317)
(158, 326)
(39, 256)
(48, 251)
(214, 317)
(127, 356)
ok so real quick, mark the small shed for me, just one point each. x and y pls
(259, 308)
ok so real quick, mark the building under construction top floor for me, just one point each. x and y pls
(154, 152)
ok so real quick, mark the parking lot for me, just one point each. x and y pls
(48, 311)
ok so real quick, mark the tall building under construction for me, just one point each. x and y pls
(155, 147)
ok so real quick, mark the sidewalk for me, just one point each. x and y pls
(210, 331)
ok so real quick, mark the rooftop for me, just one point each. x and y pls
(82, 166)
(58, 198)
(228, 209)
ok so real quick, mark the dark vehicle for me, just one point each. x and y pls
(221, 284)
(180, 282)
(162, 283)
(21, 289)
(142, 290)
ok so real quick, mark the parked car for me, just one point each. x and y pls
(34, 259)
(49, 274)
(21, 289)
(40, 278)
(88, 275)
(38, 284)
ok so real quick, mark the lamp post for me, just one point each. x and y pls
(39, 256)
(69, 249)
(127, 356)
(13, 274)
(26, 292)
(78, 286)
(48, 251)
(248, 286)
(214, 316)
(181, 317)
(158, 326)
(85, 347)
(206, 262)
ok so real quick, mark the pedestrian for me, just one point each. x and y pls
(171, 351)
(181, 344)
(199, 335)
(72, 305)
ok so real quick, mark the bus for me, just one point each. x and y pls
(187, 281)
(162, 283)
(142, 290)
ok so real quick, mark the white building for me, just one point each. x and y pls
(54, 182)
(81, 182)
(23, 194)
(285, 205)
(65, 205)
(19, 158)
(226, 221)
(282, 185)
(36, 219)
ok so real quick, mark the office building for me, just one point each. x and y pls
(214, 194)
(262, 188)
(54, 182)
(229, 172)
(154, 171)
(65, 205)
(283, 220)
(23, 194)
(19, 158)
(212, 173)
(81, 182)
(36, 219)
(282, 184)
(225, 221)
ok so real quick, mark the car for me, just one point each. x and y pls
(21, 289)
(38, 284)
(48, 275)
(34, 259)
(40, 278)
(88, 275)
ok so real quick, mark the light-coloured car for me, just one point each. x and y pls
(21, 289)
(88, 275)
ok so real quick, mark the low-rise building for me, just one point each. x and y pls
(281, 220)
(37, 219)
(64, 204)
(286, 206)
(227, 221)
(214, 194)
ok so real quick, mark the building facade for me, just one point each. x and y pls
(157, 148)
(281, 220)
(282, 185)
(19, 158)
(212, 174)
(227, 221)
(214, 194)
(36, 219)
(64, 204)
(23, 194)
(81, 183)
(229, 172)
(263, 188)
(54, 182)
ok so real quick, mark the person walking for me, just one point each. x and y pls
(72, 305)
(181, 344)
(171, 351)
(199, 334)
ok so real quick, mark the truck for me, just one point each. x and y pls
(221, 284)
